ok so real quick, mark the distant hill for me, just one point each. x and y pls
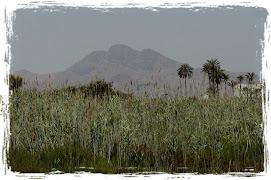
(121, 65)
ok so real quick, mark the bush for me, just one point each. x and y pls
(15, 83)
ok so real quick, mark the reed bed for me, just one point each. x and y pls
(69, 132)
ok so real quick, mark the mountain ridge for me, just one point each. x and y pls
(121, 64)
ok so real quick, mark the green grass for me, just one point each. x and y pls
(65, 131)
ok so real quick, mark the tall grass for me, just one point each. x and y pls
(65, 131)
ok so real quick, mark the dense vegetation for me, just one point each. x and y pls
(66, 130)
(95, 128)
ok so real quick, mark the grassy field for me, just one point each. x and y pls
(60, 130)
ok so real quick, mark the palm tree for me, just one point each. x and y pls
(239, 80)
(205, 69)
(214, 65)
(185, 71)
(232, 84)
(212, 68)
(250, 77)
(225, 78)
(218, 78)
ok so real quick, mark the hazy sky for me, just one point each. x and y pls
(52, 41)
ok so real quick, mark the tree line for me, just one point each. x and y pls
(216, 76)
(212, 68)
(99, 88)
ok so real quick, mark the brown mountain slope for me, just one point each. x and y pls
(147, 69)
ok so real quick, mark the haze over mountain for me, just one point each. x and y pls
(138, 71)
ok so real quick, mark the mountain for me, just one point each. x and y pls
(128, 69)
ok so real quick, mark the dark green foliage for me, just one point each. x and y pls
(15, 82)
(95, 89)
(99, 89)
(184, 72)
(250, 77)
(215, 75)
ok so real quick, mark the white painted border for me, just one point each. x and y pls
(7, 7)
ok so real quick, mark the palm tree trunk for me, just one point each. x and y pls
(185, 86)
(248, 85)
(217, 89)
(240, 89)
(213, 74)
(209, 83)
(214, 87)
(225, 88)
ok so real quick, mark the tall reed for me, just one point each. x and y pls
(64, 130)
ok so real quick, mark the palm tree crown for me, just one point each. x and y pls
(240, 78)
(225, 77)
(215, 73)
(250, 77)
(185, 71)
